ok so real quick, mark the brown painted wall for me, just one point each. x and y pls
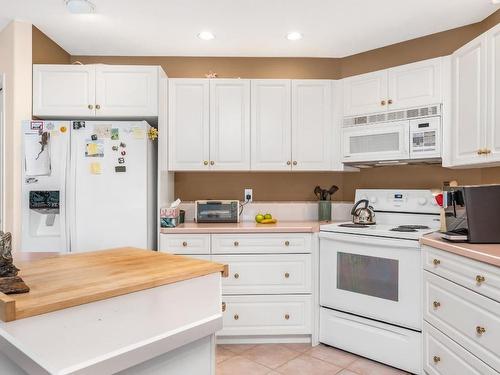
(46, 51)
(298, 186)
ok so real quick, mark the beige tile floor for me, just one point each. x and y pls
(295, 359)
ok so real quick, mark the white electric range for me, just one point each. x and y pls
(371, 278)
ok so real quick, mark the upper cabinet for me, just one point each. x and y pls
(405, 86)
(475, 127)
(271, 125)
(86, 91)
(63, 90)
(209, 124)
(312, 130)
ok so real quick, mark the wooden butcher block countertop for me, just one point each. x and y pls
(69, 280)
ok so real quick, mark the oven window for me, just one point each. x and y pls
(373, 276)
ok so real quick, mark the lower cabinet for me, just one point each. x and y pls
(269, 290)
(462, 321)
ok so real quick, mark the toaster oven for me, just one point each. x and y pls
(211, 211)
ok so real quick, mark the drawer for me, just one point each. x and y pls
(266, 315)
(261, 243)
(185, 244)
(266, 274)
(462, 314)
(478, 276)
(443, 356)
(396, 346)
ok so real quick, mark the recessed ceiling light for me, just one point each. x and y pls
(80, 6)
(294, 35)
(206, 35)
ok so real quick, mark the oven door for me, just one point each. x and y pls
(374, 277)
(377, 142)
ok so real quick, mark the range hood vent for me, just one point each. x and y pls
(405, 114)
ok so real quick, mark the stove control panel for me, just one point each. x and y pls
(418, 201)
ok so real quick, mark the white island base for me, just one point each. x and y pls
(169, 329)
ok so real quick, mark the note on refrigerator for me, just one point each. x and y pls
(95, 168)
(37, 154)
(102, 131)
(138, 133)
(94, 148)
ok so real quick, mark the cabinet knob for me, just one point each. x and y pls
(389, 101)
(480, 279)
(288, 162)
(287, 316)
(90, 106)
(480, 151)
(236, 243)
(480, 330)
(436, 304)
(287, 275)
(184, 244)
(97, 106)
(382, 102)
(236, 316)
(287, 243)
(294, 162)
(436, 262)
(223, 306)
(488, 151)
(212, 162)
(205, 162)
(236, 275)
(436, 359)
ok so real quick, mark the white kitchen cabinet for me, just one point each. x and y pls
(365, 93)
(469, 102)
(493, 74)
(103, 91)
(414, 85)
(63, 90)
(126, 91)
(188, 130)
(271, 125)
(312, 128)
(230, 124)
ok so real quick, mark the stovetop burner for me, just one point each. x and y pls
(414, 226)
(347, 225)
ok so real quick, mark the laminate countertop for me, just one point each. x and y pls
(246, 227)
(487, 253)
(63, 281)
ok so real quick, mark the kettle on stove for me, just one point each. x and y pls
(363, 215)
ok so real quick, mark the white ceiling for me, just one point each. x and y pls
(331, 28)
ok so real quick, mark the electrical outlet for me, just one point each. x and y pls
(248, 195)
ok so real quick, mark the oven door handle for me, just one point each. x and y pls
(369, 240)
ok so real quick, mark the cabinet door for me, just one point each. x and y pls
(311, 125)
(63, 90)
(469, 102)
(493, 128)
(271, 125)
(188, 120)
(413, 85)
(365, 93)
(230, 124)
(126, 91)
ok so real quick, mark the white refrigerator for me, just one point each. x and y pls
(88, 185)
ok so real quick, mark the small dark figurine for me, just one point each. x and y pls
(10, 283)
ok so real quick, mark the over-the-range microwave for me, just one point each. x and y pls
(407, 140)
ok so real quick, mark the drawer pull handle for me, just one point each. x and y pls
(184, 244)
(436, 262)
(236, 275)
(287, 275)
(480, 330)
(287, 243)
(236, 243)
(436, 304)
(287, 316)
(90, 106)
(236, 317)
(97, 106)
(436, 359)
(382, 102)
(223, 306)
(389, 101)
(480, 279)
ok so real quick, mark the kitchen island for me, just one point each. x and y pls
(125, 311)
